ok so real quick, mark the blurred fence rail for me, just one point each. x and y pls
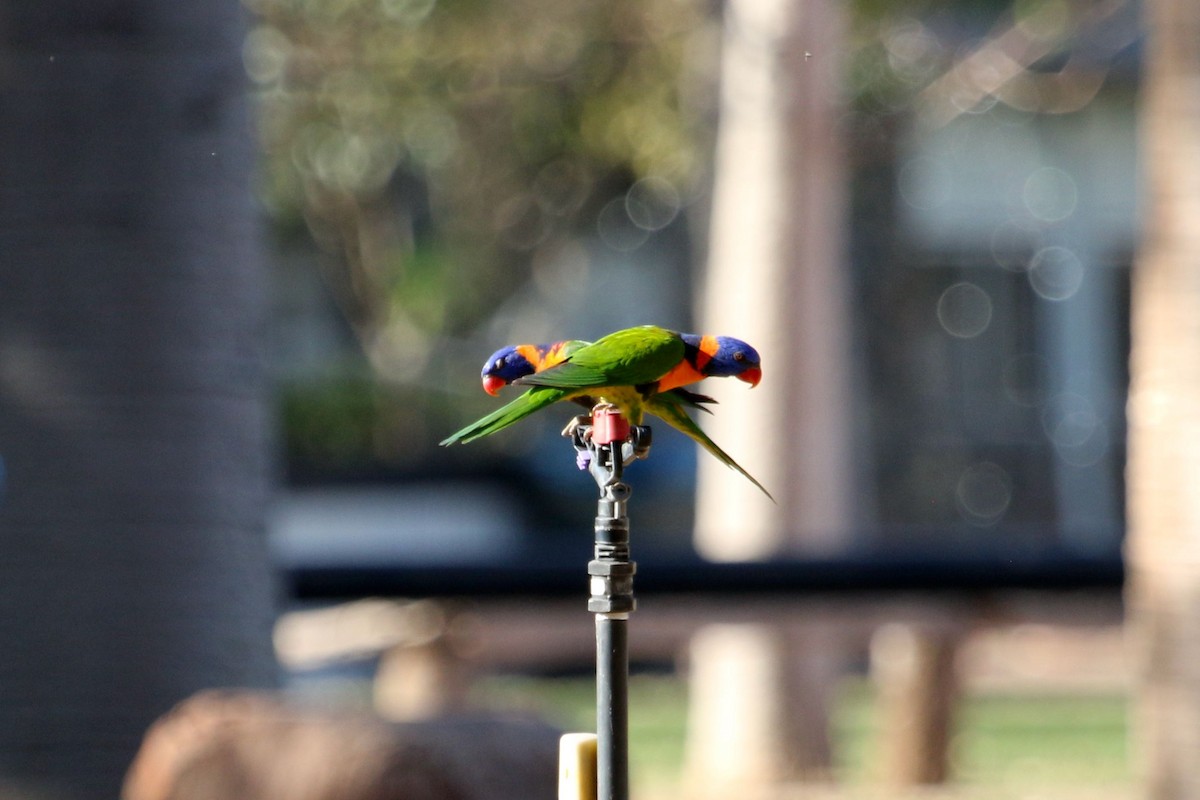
(530, 576)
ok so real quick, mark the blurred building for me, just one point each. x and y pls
(994, 225)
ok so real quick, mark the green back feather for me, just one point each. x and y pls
(629, 357)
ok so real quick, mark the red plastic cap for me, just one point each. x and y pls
(608, 426)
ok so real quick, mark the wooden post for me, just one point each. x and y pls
(759, 713)
(1163, 549)
(420, 681)
(914, 673)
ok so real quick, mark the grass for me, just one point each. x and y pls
(1013, 745)
(1024, 741)
(1055, 739)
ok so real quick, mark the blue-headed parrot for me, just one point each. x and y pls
(640, 370)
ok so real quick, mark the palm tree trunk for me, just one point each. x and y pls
(1163, 550)
(133, 562)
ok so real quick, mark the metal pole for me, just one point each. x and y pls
(612, 707)
(605, 446)
(612, 600)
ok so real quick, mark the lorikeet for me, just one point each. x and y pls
(516, 361)
(638, 369)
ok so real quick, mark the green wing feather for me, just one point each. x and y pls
(690, 399)
(630, 357)
(670, 409)
(533, 400)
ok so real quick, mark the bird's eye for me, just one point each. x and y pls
(499, 364)
(739, 356)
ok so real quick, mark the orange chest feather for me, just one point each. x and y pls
(685, 372)
(681, 374)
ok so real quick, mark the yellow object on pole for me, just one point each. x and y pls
(577, 766)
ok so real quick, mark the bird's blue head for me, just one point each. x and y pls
(726, 357)
(506, 365)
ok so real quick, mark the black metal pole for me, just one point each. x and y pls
(611, 573)
(612, 707)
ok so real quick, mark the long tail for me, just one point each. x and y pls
(670, 410)
(533, 400)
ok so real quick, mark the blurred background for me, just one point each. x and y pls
(256, 255)
(441, 180)
(958, 181)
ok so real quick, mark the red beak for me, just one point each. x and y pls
(492, 384)
(751, 375)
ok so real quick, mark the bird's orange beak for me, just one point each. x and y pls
(752, 375)
(492, 384)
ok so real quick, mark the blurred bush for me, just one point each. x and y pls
(438, 151)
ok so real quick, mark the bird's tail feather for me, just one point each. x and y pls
(533, 400)
(671, 411)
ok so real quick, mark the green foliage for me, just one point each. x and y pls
(434, 147)
(351, 425)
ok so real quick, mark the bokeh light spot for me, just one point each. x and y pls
(265, 54)
(964, 310)
(983, 493)
(1055, 273)
(652, 203)
(1077, 432)
(1080, 441)
(431, 136)
(1050, 194)
(912, 51)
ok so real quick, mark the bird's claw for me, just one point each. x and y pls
(572, 426)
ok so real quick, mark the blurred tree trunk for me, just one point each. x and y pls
(133, 563)
(1163, 550)
(776, 277)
